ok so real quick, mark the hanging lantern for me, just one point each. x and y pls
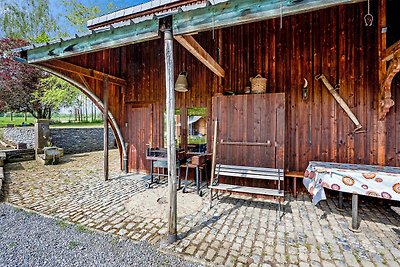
(181, 84)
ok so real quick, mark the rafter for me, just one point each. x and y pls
(195, 48)
(85, 72)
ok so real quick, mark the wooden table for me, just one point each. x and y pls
(375, 181)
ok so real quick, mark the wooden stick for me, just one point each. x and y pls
(214, 157)
(340, 100)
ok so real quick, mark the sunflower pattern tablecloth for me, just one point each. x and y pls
(369, 180)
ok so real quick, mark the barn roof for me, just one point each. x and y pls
(141, 23)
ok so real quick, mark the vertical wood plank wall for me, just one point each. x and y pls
(333, 41)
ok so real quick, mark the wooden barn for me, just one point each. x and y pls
(219, 45)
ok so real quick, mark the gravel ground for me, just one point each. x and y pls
(28, 239)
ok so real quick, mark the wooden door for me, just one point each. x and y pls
(139, 136)
(252, 128)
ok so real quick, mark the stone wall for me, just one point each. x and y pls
(73, 140)
(20, 135)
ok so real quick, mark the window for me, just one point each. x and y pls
(197, 130)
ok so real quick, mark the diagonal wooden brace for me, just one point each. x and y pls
(341, 102)
(385, 94)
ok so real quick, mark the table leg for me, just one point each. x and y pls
(354, 214)
(186, 176)
(295, 187)
(340, 202)
(151, 170)
(197, 181)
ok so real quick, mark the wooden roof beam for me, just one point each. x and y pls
(95, 74)
(391, 51)
(198, 51)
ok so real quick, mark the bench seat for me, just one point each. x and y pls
(249, 190)
(246, 172)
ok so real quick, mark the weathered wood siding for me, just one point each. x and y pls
(251, 119)
(334, 42)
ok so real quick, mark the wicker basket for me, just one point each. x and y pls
(258, 84)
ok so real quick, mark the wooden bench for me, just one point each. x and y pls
(246, 172)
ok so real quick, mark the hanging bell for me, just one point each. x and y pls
(181, 84)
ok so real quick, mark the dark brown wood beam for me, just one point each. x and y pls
(94, 74)
(382, 97)
(391, 51)
(198, 51)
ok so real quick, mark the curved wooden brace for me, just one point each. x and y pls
(98, 103)
(385, 96)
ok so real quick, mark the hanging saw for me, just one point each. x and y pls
(341, 102)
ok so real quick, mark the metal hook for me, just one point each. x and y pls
(369, 19)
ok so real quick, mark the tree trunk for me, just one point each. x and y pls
(92, 111)
(86, 109)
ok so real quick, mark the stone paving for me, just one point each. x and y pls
(236, 232)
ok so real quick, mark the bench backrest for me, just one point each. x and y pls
(250, 172)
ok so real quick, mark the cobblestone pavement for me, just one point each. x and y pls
(235, 232)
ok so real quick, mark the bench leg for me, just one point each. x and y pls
(295, 187)
(279, 210)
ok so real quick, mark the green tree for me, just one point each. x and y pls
(29, 20)
(80, 13)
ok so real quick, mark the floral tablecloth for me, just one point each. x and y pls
(369, 180)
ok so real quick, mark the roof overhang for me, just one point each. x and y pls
(237, 12)
(92, 42)
(220, 14)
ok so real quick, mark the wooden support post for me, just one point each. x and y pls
(171, 146)
(382, 73)
(105, 116)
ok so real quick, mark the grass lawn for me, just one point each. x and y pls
(17, 121)
(77, 125)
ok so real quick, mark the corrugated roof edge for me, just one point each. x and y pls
(129, 11)
(148, 6)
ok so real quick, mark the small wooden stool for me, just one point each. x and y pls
(294, 175)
